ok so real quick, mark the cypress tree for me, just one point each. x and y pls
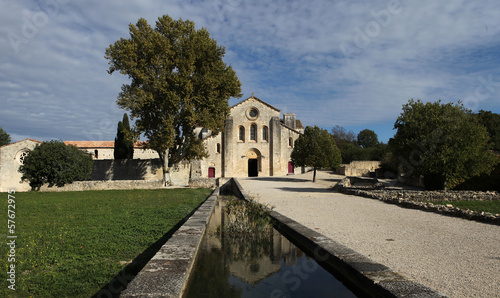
(124, 141)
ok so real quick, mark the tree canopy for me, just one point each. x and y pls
(4, 137)
(367, 138)
(492, 123)
(124, 140)
(55, 163)
(178, 82)
(342, 136)
(444, 143)
(316, 148)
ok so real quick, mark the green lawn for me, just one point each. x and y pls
(71, 244)
(486, 206)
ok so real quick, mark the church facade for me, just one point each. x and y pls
(255, 142)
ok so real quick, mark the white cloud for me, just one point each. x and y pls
(287, 52)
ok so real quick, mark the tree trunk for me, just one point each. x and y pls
(314, 175)
(165, 168)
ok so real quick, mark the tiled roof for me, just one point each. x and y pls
(100, 144)
(91, 144)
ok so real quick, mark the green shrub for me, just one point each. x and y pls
(55, 163)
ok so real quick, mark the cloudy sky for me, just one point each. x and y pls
(351, 63)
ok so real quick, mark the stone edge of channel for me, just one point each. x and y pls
(167, 273)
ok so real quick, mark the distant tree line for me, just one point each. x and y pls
(364, 146)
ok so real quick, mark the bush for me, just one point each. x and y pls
(55, 163)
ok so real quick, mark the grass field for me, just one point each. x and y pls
(486, 206)
(73, 243)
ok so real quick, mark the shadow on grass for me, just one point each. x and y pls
(120, 281)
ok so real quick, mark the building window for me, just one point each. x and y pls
(242, 134)
(265, 131)
(22, 155)
(218, 147)
(290, 142)
(96, 154)
(252, 114)
(253, 132)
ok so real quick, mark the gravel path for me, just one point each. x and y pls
(457, 257)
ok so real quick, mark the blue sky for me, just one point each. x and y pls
(347, 63)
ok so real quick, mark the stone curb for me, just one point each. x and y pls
(485, 217)
(167, 273)
(373, 279)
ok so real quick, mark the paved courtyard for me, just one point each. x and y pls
(457, 257)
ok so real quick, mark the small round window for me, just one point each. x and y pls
(21, 155)
(252, 113)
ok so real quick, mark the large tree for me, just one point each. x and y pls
(316, 148)
(124, 140)
(4, 137)
(492, 123)
(367, 138)
(444, 143)
(179, 81)
(55, 163)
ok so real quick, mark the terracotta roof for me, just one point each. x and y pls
(91, 144)
(28, 139)
(298, 124)
(258, 99)
(100, 144)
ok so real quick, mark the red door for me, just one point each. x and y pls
(290, 168)
(211, 172)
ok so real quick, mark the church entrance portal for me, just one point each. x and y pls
(254, 162)
(253, 168)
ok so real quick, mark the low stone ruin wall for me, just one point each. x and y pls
(419, 199)
(105, 185)
(359, 168)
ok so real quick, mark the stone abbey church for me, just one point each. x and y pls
(255, 142)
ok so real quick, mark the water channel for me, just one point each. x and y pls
(269, 266)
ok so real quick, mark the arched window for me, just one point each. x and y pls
(96, 153)
(253, 132)
(242, 134)
(265, 131)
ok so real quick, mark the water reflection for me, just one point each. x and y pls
(269, 266)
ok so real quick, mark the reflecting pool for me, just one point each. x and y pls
(269, 266)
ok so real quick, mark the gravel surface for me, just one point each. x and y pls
(457, 257)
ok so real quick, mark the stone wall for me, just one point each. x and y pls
(425, 200)
(359, 168)
(127, 169)
(105, 185)
(139, 169)
(11, 157)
